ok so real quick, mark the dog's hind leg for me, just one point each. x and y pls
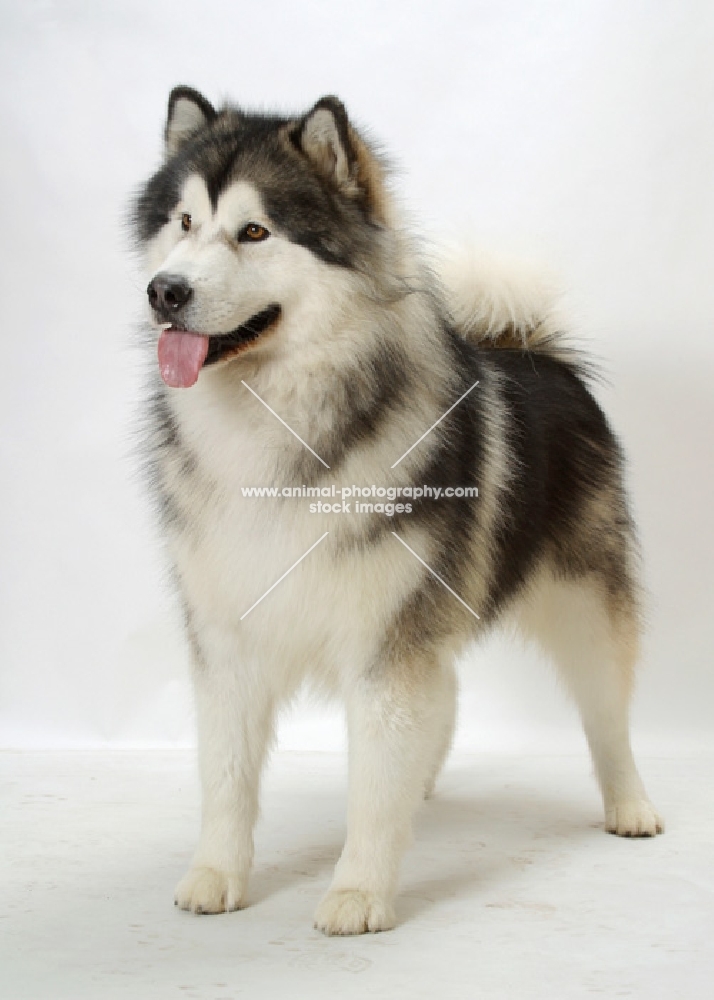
(593, 638)
(395, 723)
(446, 708)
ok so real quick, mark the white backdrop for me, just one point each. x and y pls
(578, 132)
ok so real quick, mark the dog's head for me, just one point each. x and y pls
(254, 219)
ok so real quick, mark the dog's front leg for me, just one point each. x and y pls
(234, 715)
(395, 720)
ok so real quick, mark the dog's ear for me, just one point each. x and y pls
(337, 152)
(188, 112)
(325, 137)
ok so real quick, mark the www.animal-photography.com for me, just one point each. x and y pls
(357, 538)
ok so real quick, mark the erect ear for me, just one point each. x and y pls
(338, 153)
(188, 112)
(325, 137)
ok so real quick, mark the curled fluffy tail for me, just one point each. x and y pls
(499, 303)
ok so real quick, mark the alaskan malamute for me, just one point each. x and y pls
(429, 457)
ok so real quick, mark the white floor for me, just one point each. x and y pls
(511, 891)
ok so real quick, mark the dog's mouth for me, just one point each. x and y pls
(183, 353)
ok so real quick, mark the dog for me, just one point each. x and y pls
(307, 350)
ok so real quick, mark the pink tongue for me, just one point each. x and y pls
(181, 356)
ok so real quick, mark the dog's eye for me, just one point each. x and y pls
(253, 233)
(185, 222)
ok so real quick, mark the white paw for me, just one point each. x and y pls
(351, 911)
(206, 890)
(635, 818)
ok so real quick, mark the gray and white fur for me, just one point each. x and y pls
(276, 243)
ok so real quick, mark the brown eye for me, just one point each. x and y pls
(253, 233)
(185, 222)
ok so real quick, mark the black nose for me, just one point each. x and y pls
(168, 293)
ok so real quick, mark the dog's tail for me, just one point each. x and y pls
(499, 303)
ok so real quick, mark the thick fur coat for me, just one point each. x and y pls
(306, 348)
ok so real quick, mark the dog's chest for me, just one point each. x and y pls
(291, 580)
